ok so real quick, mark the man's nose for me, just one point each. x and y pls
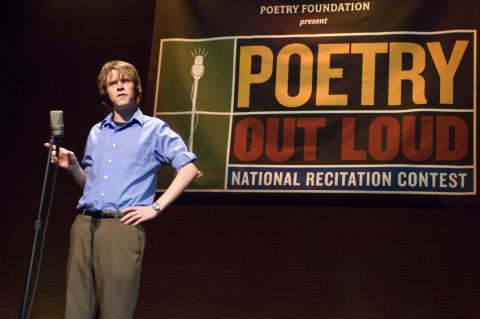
(119, 85)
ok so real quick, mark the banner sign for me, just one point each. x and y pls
(372, 112)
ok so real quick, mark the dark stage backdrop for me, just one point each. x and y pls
(211, 257)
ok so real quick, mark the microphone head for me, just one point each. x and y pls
(56, 123)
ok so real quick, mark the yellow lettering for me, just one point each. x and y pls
(245, 76)
(446, 70)
(325, 73)
(396, 73)
(368, 52)
(282, 75)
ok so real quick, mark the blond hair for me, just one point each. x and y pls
(126, 71)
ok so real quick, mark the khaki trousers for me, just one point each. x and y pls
(103, 269)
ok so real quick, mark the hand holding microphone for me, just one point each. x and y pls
(64, 158)
(60, 156)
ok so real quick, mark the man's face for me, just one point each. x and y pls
(120, 89)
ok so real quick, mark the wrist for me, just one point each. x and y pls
(157, 208)
(74, 167)
(73, 163)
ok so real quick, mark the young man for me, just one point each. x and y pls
(122, 156)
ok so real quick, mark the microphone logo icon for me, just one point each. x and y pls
(197, 71)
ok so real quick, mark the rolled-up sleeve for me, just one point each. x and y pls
(170, 148)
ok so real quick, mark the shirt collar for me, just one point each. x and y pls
(136, 117)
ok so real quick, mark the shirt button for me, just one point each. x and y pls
(105, 177)
(113, 145)
(109, 161)
(102, 194)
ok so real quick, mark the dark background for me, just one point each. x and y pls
(273, 258)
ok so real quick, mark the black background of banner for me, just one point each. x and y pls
(200, 20)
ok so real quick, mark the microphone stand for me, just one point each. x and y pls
(26, 301)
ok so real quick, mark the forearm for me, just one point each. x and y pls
(184, 176)
(138, 214)
(78, 174)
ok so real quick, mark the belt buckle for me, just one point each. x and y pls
(111, 214)
(118, 215)
(102, 213)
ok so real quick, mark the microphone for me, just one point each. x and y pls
(56, 123)
(56, 127)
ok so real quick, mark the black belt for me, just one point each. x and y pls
(102, 213)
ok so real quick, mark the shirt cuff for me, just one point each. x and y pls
(182, 159)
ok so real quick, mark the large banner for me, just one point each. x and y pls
(325, 96)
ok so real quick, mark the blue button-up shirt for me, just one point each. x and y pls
(121, 162)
